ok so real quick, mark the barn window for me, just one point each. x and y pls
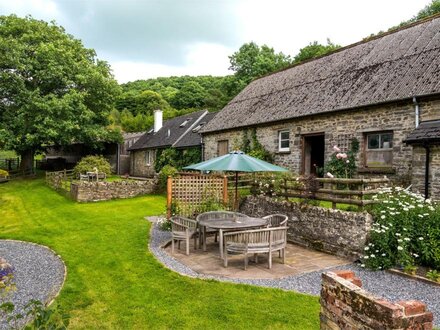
(222, 147)
(379, 149)
(284, 140)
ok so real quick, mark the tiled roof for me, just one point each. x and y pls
(391, 67)
(172, 131)
(427, 132)
(193, 138)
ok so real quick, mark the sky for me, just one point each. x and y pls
(144, 39)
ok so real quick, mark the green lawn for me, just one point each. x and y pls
(113, 282)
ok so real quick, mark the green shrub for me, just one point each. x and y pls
(166, 171)
(91, 163)
(341, 164)
(406, 231)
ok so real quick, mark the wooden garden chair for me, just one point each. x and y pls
(256, 241)
(276, 220)
(183, 229)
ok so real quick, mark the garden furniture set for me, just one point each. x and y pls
(238, 234)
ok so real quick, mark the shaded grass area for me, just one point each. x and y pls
(113, 282)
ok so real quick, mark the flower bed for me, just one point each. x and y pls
(6, 277)
(405, 233)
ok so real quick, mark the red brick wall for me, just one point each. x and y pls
(345, 305)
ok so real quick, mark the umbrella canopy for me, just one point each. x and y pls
(235, 161)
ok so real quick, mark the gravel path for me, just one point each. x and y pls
(380, 283)
(38, 273)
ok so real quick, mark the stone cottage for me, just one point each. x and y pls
(180, 132)
(377, 91)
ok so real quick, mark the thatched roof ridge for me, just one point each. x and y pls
(391, 67)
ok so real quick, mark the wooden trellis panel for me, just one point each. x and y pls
(190, 193)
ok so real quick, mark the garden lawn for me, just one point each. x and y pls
(113, 281)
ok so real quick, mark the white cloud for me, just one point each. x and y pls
(200, 59)
(41, 9)
(289, 25)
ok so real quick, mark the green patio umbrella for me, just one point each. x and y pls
(235, 161)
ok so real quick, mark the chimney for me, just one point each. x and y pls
(158, 115)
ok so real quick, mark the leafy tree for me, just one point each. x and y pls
(431, 9)
(252, 61)
(191, 95)
(53, 90)
(148, 101)
(314, 49)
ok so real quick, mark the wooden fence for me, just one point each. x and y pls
(60, 180)
(191, 194)
(10, 164)
(356, 192)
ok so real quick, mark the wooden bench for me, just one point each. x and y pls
(256, 241)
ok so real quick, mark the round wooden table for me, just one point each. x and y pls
(228, 225)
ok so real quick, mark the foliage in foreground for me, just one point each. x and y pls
(114, 282)
(92, 164)
(405, 233)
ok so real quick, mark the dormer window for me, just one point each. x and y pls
(185, 122)
(198, 127)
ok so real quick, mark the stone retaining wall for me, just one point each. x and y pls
(338, 232)
(100, 191)
(345, 305)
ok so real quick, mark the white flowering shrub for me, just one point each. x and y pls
(164, 224)
(406, 231)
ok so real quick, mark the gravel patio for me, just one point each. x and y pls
(38, 274)
(292, 276)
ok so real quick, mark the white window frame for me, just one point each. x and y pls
(281, 149)
(149, 157)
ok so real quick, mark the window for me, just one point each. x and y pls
(379, 149)
(149, 154)
(283, 141)
(198, 127)
(185, 122)
(222, 147)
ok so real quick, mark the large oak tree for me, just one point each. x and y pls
(53, 90)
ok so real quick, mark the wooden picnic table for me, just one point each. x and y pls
(229, 224)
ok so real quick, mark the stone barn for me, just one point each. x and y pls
(376, 91)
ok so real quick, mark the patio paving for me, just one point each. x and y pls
(299, 260)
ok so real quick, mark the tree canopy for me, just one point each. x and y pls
(313, 50)
(252, 61)
(53, 90)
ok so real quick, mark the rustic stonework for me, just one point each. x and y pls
(343, 125)
(100, 191)
(345, 305)
(418, 173)
(139, 166)
(334, 231)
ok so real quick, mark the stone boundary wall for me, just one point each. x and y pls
(334, 231)
(345, 305)
(101, 191)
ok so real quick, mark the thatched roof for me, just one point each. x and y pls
(391, 67)
(428, 132)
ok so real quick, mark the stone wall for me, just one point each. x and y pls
(100, 191)
(418, 173)
(139, 167)
(338, 128)
(345, 305)
(333, 231)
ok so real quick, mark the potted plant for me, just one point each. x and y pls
(4, 176)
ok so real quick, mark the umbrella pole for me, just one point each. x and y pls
(236, 191)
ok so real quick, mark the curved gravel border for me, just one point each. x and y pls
(380, 283)
(39, 273)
